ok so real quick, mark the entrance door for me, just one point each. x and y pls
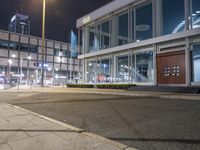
(171, 68)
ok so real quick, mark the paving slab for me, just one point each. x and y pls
(4, 147)
(23, 130)
(9, 136)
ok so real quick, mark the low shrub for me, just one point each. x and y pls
(102, 86)
(80, 85)
(114, 86)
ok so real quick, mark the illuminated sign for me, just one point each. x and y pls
(86, 19)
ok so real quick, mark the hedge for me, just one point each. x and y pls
(80, 85)
(101, 86)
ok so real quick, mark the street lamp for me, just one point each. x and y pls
(10, 63)
(29, 57)
(43, 40)
(13, 55)
(28, 70)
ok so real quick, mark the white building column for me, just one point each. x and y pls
(155, 49)
(111, 67)
(157, 18)
(188, 62)
(114, 67)
(84, 71)
(187, 41)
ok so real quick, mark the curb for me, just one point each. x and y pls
(181, 97)
(49, 119)
(78, 130)
(124, 93)
(114, 143)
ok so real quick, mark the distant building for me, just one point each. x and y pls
(20, 24)
(21, 60)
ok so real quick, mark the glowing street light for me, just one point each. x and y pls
(29, 57)
(13, 55)
(10, 61)
(43, 41)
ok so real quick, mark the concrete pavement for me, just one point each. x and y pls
(18, 126)
(24, 130)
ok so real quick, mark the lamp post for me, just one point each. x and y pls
(28, 70)
(10, 63)
(43, 40)
(21, 65)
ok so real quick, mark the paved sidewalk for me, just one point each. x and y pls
(24, 130)
(168, 95)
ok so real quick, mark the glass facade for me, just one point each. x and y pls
(135, 23)
(122, 69)
(14, 45)
(196, 63)
(123, 29)
(105, 35)
(62, 53)
(93, 45)
(33, 49)
(144, 23)
(91, 72)
(99, 36)
(195, 14)
(98, 71)
(144, 67)
(104, 74)
(24, 47)
(4, 44)
(133, 68)
(172, 16)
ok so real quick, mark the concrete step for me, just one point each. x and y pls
(176, 89)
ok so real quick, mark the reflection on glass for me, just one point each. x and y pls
(98, 71)
(144, 23)
(122, 69)
(123, 29)
(90, 72)
(173, 16)
(104, 75)
(105, 35)
(196, 63)
(99, 36)
(144, 67)
(91, 39)
(195, 13)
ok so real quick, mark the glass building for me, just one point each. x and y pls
(20, 23)
(21, 60)
(146, 42)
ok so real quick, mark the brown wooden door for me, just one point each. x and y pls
(171, 68)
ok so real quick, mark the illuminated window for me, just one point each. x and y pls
(196, 63)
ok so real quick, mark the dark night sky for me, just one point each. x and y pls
(61, 15)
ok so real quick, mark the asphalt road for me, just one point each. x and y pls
(144, 123)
